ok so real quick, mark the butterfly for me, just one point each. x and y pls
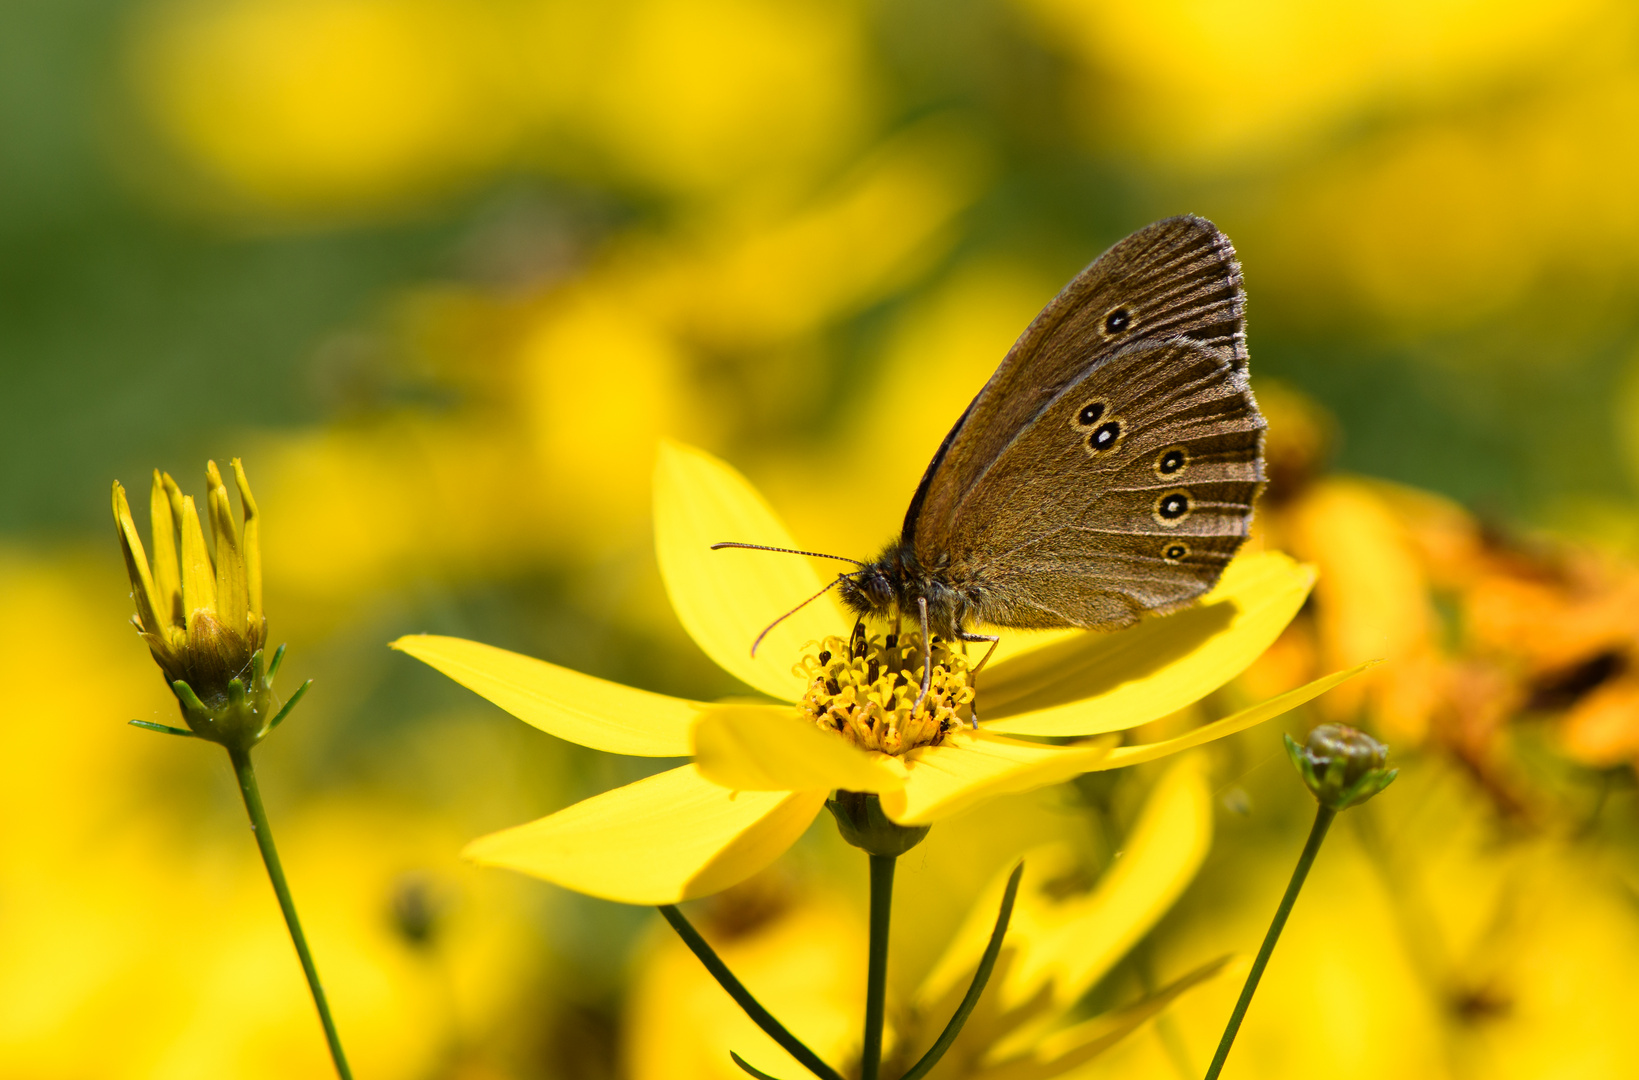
(1106, 471)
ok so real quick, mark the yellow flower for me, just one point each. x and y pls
(202, 617)
(761, 772)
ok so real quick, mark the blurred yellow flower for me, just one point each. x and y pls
(803, 957)
(1297, 67)
(761, 773)
(1065, 935)
(315, 106)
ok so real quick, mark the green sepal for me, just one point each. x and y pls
(190, 700)
(1350, 765)
(165, 729)
(291, 704)
(273, 665)
(862, 823)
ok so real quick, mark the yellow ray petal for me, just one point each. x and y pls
(253, 542)
(1229, 725)
(726, 598)
(672, 837)
(232, 600)
(198, 576)
(769, 748)
(972, 766)
(1064, 943)
(1094, 683)
(582, 709)
(167, 577)
(136, 566)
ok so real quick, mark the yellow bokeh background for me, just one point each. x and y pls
(537, 236)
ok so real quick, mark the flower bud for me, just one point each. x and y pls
(862, 823)
(1341, 765)
(199, 605)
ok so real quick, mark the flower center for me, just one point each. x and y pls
(865, 688)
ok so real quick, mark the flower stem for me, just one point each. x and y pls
(1323, 821)
(876, 975)
(742, 997)
(276, 873)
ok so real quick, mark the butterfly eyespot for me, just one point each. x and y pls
(1090, 414)
(1172, 460)
(1175, 553)
(1172, 507)
(1107, 435)
(1117, 321)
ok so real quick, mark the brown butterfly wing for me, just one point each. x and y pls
(1040, 523)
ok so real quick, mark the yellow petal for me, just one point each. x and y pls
(672, 837)
(198, 576)
(726, 598)
(136, 565)
(253, 542)
(972, 766)
(1229, 725)
(1094, 683)
(1064, 944)
(592, 712)
(167, 577)
(232, 600)
(770, 748)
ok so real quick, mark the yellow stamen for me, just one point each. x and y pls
(866, 692)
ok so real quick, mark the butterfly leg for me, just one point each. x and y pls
(927, 654)
(973, 674)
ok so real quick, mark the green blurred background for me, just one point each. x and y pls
(442, 272)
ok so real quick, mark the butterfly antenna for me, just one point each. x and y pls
(794, 610)
(786, 551)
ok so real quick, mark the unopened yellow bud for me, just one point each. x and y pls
(199, 605)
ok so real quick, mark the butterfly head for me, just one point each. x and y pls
(868, 590)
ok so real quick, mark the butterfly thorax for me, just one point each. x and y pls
(897, 578)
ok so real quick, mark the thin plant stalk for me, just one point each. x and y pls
(981, 977)
(876, 976)
(1323, 821)
(276, 873)
(742, 997)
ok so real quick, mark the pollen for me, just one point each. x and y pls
(865, 689)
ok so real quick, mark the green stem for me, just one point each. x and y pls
(876, 973)
(1323, 821)
(742, 997)
(276, 873)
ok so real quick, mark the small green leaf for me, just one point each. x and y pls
(165, 729)
(754, 1071)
